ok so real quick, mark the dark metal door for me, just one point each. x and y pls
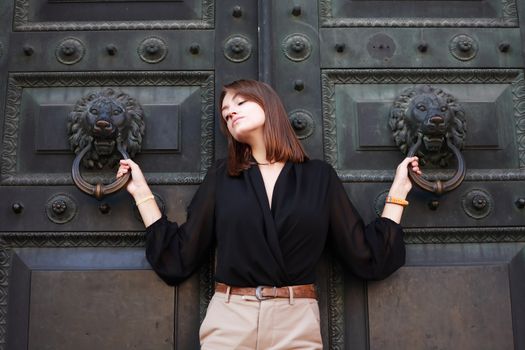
(73, 273)
(350, 72)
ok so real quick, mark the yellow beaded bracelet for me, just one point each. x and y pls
(145, 199)
(397, 201)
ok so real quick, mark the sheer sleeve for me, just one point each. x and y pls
(175, 251)
(373, 251)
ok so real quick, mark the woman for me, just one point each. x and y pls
(269, 210)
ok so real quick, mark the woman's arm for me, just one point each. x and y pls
(376, 250)
(174, 251)
(400, 188)
(139, 189)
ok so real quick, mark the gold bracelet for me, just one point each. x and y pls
(398, 201)
(145, 199)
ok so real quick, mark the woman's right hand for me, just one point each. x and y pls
(139, 189)
(137, 185)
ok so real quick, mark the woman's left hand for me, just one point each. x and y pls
(402, 185)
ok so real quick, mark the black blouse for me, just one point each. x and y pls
(280, 246)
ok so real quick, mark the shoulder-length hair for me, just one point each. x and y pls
(279, 138)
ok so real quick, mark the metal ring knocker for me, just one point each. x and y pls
(99, 190)
(438, 186)
(100, 122)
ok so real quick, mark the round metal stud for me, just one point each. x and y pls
(237, 48)
(28, 50)
(463, 47)
(152, 50)
(111, 50)
(477, 204)
(339, 47)
(61, 208)
(194, 48)
(17, 208)
(70, 51)
(520, 203)
(296, 10)
(504, 46)
(298, 85)
(237, 11)
(297, 47)
(433, 204)
(422, 47)
(302, 123)
(104, 208)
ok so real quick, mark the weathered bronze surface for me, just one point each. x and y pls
(102, 127)
(430, 123)
(339, 65)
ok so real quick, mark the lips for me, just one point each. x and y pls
(234, 120)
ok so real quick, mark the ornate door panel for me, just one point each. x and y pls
(350, 73)
(73, 268)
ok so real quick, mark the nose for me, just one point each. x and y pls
(230, 115)
(102, 124)
(437, 120)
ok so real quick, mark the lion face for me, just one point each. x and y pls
(429, 114)
(432, 114)
(105, 118)
(102, 119)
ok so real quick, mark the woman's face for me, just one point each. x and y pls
(244, 118)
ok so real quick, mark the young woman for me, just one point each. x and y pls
(269, 210)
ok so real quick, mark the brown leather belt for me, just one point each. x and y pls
(268, 292)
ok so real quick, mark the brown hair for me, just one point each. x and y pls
(281, 143)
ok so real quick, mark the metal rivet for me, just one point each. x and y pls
(299, 85)
(298, 124)
(298, 46)
(296, 11)
(17, 208)
(433, 205)
(504, 47)
(194, 48)
(422, 47)
(464, 46)
(152, 48)
(339, 47)
(479, 202)
(68, 49)
(28, 50)
(104, 208)
(237, 11)
(111, 50)
(520, 203)
(59, 206)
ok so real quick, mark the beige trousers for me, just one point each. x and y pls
(245, 323)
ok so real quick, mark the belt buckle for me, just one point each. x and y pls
(259, 290)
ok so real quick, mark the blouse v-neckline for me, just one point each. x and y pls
(270, 205)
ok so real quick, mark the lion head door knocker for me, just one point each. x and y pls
(103, 127)
(429, 122)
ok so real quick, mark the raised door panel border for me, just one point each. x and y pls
(23, 21)
(336, 13)
(331, 78)
(203, 80)
(477, 285)
(25, 257)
